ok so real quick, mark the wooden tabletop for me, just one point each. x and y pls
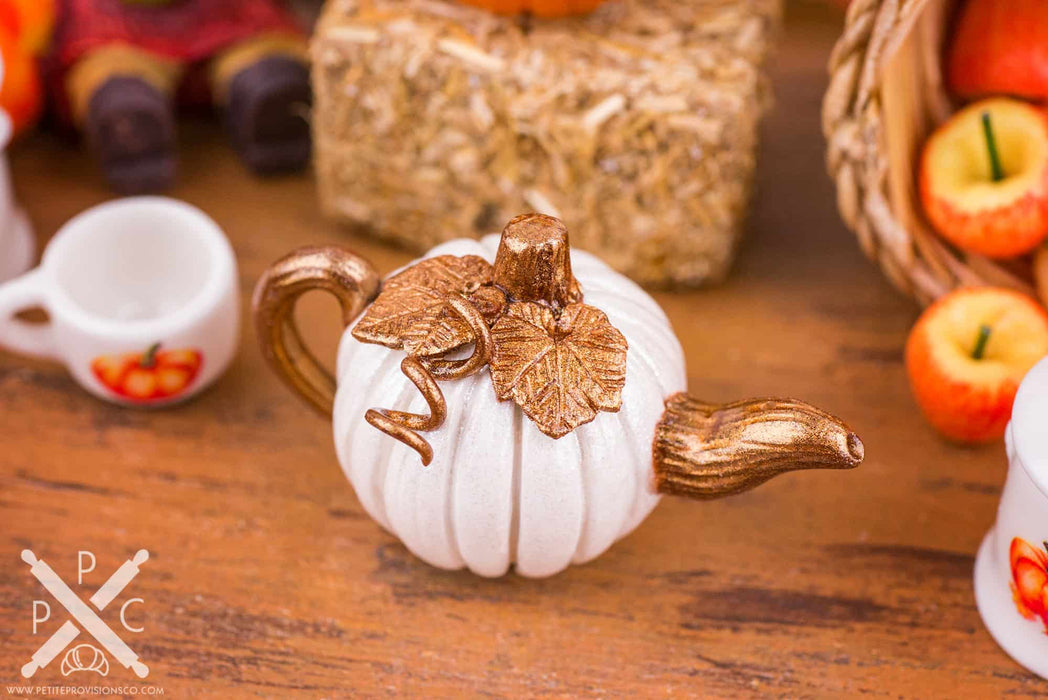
(267, 578)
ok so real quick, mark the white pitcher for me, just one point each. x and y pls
(1011, 569)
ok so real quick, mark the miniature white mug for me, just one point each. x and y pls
(17, 246)
(1011, 569)
(142, 299)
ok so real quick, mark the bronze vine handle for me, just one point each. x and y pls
(349, 277)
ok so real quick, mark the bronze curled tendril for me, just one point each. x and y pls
(423, 373)
(404, 426)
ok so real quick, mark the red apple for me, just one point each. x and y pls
(1040, 273)
(966, 356)
(984, 178)
(1000, 47)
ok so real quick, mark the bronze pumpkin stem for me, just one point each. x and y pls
(533, 262)
(707, 451)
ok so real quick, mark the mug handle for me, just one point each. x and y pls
(349, 277)
(21, 293)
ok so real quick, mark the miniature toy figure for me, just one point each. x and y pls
(119, 65)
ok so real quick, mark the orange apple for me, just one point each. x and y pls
(1000, 47)
(966, 356)
(984, 178)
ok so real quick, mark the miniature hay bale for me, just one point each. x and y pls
(636, 125)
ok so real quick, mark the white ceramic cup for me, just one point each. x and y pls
(142, 296)
(1007, 578)
(17, 246)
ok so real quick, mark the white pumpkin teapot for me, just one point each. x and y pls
(561, 416)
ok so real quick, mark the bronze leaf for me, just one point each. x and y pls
(412, 310)
(561, 370)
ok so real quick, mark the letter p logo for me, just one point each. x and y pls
(37, 619)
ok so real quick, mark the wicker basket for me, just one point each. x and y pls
(886, 94)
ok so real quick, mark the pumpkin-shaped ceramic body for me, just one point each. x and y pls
(539, 8)
(499, 492)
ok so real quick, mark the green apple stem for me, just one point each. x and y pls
(980, 342)
(991, 146)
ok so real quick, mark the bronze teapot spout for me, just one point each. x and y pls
(706, 451)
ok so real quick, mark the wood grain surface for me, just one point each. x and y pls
(266, 578)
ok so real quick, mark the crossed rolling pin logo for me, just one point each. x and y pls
(83, 616)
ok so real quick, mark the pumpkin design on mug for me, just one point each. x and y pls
(510, 402)
(1029, 579)
(151, 375)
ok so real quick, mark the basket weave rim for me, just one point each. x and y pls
(917, 262)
